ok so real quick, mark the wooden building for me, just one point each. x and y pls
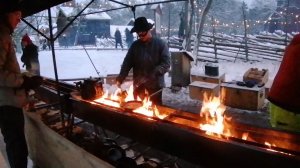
(91, 27)
(85, 31)
(286, 17)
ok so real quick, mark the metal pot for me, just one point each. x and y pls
(90, 88)
(211, 69)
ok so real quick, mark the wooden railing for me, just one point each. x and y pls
(232, 48)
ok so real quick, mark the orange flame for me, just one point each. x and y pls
(213, 111)
(150, 110)
(114, 100)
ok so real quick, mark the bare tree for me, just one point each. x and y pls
(189, 30)
(244, 8)
(200, 29)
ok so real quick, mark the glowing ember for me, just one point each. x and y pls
(213, 111)
(269, 144)
(245, 136)
(272, 150)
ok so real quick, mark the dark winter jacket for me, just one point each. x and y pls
(285, 90)
(118, 36)
(129, 36)
(149, 61)
(30, 55)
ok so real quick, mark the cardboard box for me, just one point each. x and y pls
(198, 89)
(211, 79)
(254, 74)
(242, 97)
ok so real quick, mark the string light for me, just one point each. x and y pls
(250, 23)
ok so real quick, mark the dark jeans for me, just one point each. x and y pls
(12, 128)
(120, 44)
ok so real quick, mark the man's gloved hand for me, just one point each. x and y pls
(31, 82)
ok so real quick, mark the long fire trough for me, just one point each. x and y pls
(179, 134)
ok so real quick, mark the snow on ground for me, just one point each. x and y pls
(78, 63)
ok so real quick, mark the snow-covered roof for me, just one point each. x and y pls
(96, 16)
(130, 22)
(67, 10)
(154, 6)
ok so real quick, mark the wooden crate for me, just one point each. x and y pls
(242, 97)
(211, 79)
(198, 89)
(254, 74)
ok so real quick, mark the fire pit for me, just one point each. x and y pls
(179, 133)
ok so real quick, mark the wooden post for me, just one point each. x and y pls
(214, 38)
(245, 27)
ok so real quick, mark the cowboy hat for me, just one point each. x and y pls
(141, 24)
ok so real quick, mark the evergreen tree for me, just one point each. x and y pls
(61, 21)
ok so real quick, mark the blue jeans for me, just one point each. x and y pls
(12, 129)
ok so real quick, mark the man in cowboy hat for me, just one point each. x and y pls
(149, 58)
(13, 86)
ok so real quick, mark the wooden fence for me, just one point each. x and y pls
(231, 48)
